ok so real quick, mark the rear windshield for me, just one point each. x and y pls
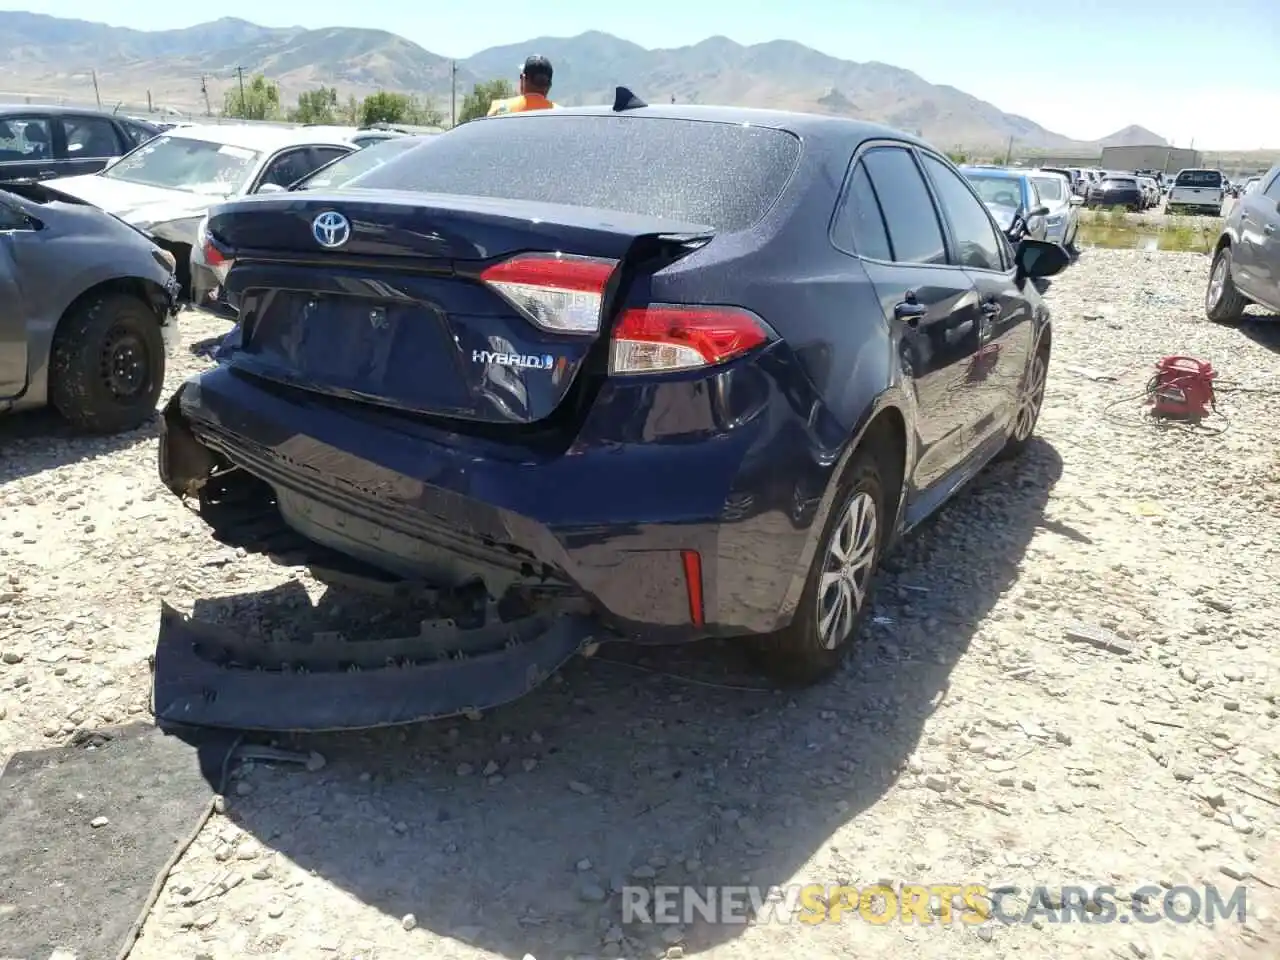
(1121, 181)
(1199, 178)
(723, 175)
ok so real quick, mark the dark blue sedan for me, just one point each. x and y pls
(648, 373)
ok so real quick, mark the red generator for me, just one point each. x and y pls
(1182, 388)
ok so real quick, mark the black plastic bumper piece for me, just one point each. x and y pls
(421, 678)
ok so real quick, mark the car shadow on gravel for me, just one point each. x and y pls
(1263, 329)
(38, 440)
(643, 765)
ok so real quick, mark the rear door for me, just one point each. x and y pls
(27, 147)
(14, 228)
(889, 220)
(89, 142)
(1005, 331)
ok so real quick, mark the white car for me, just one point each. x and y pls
(1197, 191)
(167, 185)
(1063, 220)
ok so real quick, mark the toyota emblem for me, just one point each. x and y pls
(331, 229)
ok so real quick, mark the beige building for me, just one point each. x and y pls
(1164, 159)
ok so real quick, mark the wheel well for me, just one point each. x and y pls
(147, 291)
(1046, 340)
(887, 435)
(1223, 241)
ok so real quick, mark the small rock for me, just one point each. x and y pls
(4, 711)
(1231, 705)
(315, 762)
(1188, 674)
(672, 935)
(1213, 796)
(1138, 950)
(644, 872)
(937, 784)
(1185, 774)
(1234, 872)
(205, 921)
(464, 769)
(97, 822)
(583, 865)
(11, 657)
(408, 921)
(1029, 785)
(528, 763)
(219, 804)
(592, 892)
(243, 788)
(675, 953)
(248, 850)
(577, 786)
(275, 911)
(490, 769)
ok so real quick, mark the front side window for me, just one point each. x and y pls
(187, 164)
(90, 138)
(977, 243)
(288, 168)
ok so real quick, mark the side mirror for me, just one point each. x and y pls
(271, 188)
(1077, 200)
(1038, 259)
(1038, 212)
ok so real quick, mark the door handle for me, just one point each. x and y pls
(910, 310)
(991, 309)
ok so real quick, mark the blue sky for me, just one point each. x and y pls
(1185, 69)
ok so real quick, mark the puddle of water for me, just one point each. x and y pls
(1147, 237)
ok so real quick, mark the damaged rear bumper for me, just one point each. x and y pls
(208, 676)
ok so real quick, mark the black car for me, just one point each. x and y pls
(1117, 190)
(1246, 261)
(41, 143)
(86, 305)
(648, 373)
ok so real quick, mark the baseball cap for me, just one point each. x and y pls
(537, 67)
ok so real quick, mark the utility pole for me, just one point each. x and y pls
(1008, 153)
(240, 74)
(204, 89)
(453, 93)
(96, 93)
(150, 107)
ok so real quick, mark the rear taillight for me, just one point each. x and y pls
(557, 292)
(663, 337)
(219, 263)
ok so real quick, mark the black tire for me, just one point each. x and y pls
(107, 366)
(797, 655)
(1030, 403)
(1223, 303)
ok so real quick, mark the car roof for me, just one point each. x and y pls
(260, 136)
(999, 172)
(804, 125)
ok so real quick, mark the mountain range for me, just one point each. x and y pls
(51, 56)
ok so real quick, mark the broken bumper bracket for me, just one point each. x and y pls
(193, 689)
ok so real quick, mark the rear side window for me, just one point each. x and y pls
(723, 175)
(1199, 178)
(912, 221)
(860, 225)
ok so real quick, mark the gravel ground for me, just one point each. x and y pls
(970, 741)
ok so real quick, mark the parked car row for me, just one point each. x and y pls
(1034, 203)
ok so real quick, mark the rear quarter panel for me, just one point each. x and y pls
(838, 364)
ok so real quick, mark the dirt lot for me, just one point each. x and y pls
(970, 741)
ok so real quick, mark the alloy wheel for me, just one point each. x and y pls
(1217, 282)
(1031, 399)
(847, 569)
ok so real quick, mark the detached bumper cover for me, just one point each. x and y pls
(205, 675)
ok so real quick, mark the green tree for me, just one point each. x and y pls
(477, 102)
(259, 99)
(958, 157)
(316, 106)
(386, 107)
